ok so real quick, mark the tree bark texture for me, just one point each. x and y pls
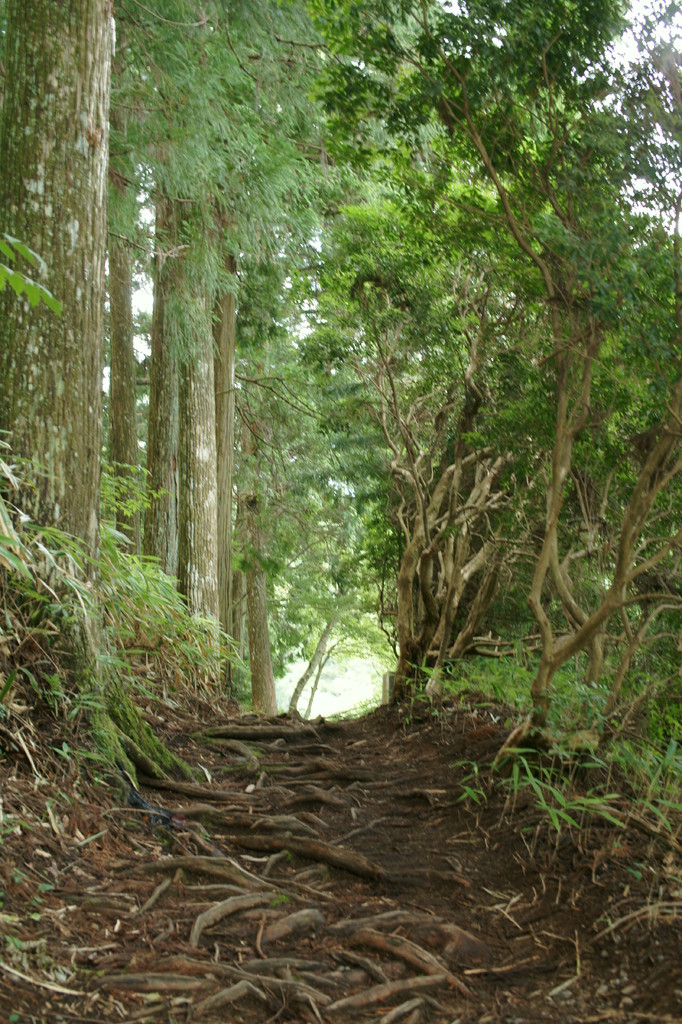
(425, 635)
(238, 627)
(53, 177)
(260, 659)
(262, 677)
(198, 525)
(225, 338)
(161, 521)
(53, 195)
(123, 394)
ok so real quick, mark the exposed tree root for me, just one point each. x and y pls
(408, 951)
(260, 731)
(410, 1007)
(229, 995)
(347, 860)
(382, 993)
(233, 905)
(216, 867)
(202, 792)
(302, 921)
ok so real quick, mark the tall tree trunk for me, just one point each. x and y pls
(161, 521)
(225, 334)
(238, 628)
(260, 660)
(123, 397)
(198, 526)
(53, 178)
(123, 386)
(54, 149)
(262, 676)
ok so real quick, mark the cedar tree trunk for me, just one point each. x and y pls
(53, 180)
(123, 397)
(54, 149)
(225, 331)
(161, 521)
(198, 526)
(260, 659)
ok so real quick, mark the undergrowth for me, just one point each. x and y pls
(624, 784)
(155, 646)
(605, 772)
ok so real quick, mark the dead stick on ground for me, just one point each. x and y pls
(667, 909)
(51, 986)
(150, 982)
(148, 1011)
(155, 896)
(360, 830)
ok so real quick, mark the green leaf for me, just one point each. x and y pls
(8, 683)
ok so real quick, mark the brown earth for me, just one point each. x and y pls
(367, 870)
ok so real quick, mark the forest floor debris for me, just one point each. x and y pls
(366, 870)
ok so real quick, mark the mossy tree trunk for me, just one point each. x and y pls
(54, 149)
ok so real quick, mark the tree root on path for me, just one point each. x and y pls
(201, 792)
(315, 849)
(233, 905)
(217, 867)
(382, 993)
(410, 952)
(459, 944)
(255, 731)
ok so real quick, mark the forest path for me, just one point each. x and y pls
(365, 870)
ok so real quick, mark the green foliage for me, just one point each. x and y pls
(474, 790)
(128, 495)
(622, 784)
(505, 136)
(239, 142)
(554, 792)
(653, 775)
(463, 119)
(154, 645)
(156, 641)
(19, 281)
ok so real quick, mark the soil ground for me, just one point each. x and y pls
(356, 871)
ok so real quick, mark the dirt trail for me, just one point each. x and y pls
(327, 872)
